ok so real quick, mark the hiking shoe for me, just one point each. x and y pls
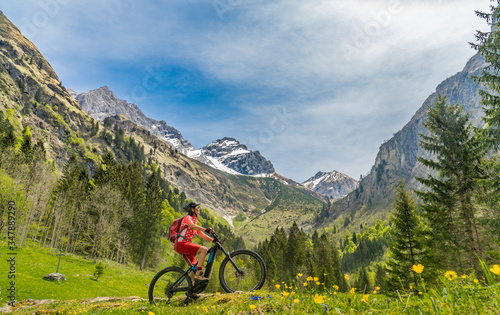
(199, 276)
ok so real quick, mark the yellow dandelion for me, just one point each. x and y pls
(346, 276)
(450, 275)
(218, 293)
(292, 293)
(318, 299)
(151, 313)
(411, 287)
(278, 286)
(296, 300)
(335, 287)
(419, 292)
(252, 307)
(377, 288)
(300, 275)
(476, 281)
(365, 298)
(464, 277)
(310, 278)
(284, 293)
(495, 269)
(418, 268)
(316, 279)
(318, 283)
(353, 290)
(305, 284)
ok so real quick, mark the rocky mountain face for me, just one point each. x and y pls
(334, 184)
(397, 158)
(102, 102)
(227, 155)
(236, 156)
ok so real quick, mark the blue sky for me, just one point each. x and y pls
(313, 85)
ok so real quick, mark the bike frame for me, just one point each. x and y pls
(200, 286)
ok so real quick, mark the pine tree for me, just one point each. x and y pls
(406, 248)
(448, 203)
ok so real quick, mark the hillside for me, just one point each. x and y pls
(397, 158)
(31, 95)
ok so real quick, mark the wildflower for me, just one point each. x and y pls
(411, 287)
(318, 283)
(300, 275)
(310, 278)
(305, 284)
(365, 298)
(284, 293)
(277, 286)
(316, 279)
(324, 274)
(346, 276)
(450, 275)
(151, 313)
(464, 276)
(218, 293)
(353, 290)
(335, 287)
(496, 270)
(318, 299)
(419, 292)
(252, 307)
(292, 293)
(296, 300)
(476, 281)
(377, 288)
(418, 268)
(256, 298)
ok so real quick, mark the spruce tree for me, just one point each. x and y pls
(406, 248)
(448, 201)
(147, 222)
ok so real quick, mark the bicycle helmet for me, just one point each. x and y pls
(190, 205)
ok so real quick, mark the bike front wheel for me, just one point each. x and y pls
(166, 283)
(242, 270)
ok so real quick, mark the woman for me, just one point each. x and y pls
(184, 242)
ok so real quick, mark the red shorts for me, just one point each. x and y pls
(188, 248)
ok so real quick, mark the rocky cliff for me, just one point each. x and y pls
(102, 102)
(397, 158)
(236, 156)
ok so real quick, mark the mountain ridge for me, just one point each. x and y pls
(333, 184)
(397, 157)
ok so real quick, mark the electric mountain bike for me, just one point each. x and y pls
(241, 270)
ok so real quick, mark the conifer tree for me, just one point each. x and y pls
(407, 246)
(147, 222)
(448, 202)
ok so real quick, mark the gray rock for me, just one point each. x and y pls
(55, 277)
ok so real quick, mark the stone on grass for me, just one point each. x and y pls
(55, 277)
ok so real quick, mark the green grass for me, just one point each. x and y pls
(456, 295)
(33, 263)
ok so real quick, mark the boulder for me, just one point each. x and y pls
(55, 277)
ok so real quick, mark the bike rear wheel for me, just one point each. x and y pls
(249, 275)
(166, 283)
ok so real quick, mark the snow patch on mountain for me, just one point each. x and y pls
(334, 184)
